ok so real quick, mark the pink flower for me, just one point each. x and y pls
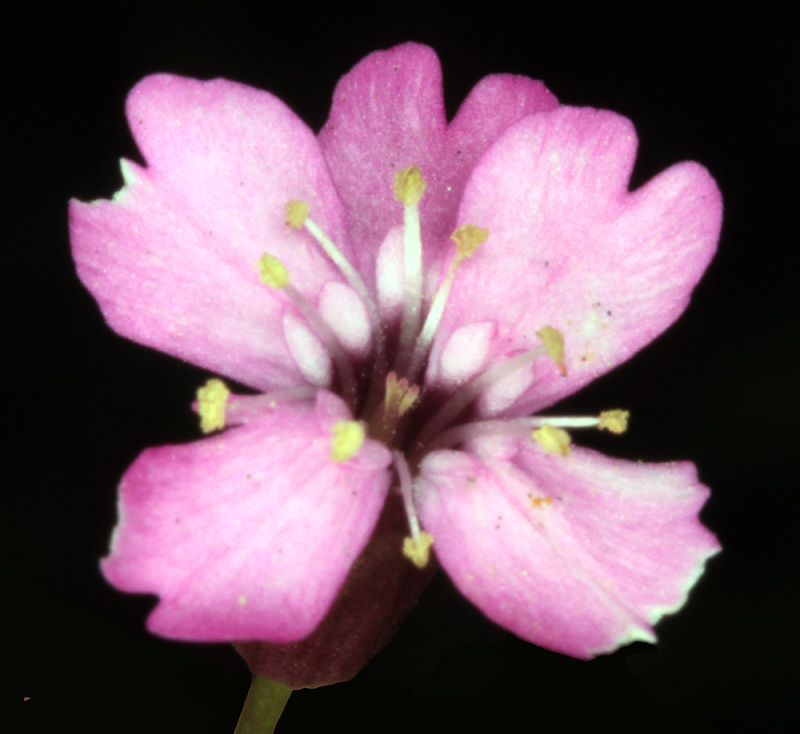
(400, 371)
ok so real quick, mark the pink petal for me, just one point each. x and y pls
(387, 114)
(250, 534)
(609, 268)
(308, 352)
(381, 589)
(580, 554)
(342, 308)
(495, 103)
(465, 352)
(172, 259)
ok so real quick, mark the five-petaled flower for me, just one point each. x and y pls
(405, 295)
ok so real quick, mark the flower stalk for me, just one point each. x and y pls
(263, 706)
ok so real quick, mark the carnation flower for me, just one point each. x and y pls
(404, 296)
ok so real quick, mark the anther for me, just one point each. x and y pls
(409, 186)
(399, 396)
(468, 238)
(418, 550)
(211, 402)
(296, 214)
(552, 440)
(347, 438)
(272, 272)
(615, 421)
(553, 342)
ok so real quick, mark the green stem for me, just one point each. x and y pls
(263, 706)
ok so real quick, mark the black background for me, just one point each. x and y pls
(704, 81)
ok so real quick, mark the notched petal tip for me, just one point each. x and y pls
(617, 546)
(611, 268)
(202, 525)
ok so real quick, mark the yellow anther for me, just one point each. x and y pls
(272, 272)
(553, 342)
(394, 390)
(418, 550)
(296, 214)
(348, 436)
(553, 440)
(399, 396)
(407, 401)
(211, 399)
(468, 238)
(615, 421)
(409, 185)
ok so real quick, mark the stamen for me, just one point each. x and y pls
(467, 238)
(552, 345)
(341, 262)
(242, 409)
(408, 189)
(297, 217)
(347, 439)
(211, 402)
(275, 275)
(522, 427)
(462, 397)
(480, 429)
(416, 547)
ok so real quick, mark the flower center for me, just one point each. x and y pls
(387, 422)
(387, 400)
(383, 406)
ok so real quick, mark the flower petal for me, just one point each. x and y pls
(388, 113)
(172, 259)
(610, 269)
(381, 589)
(580, 554)
(465, 352)
(306, 349)
(344, 310)
(495, 103)
(250, 534)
